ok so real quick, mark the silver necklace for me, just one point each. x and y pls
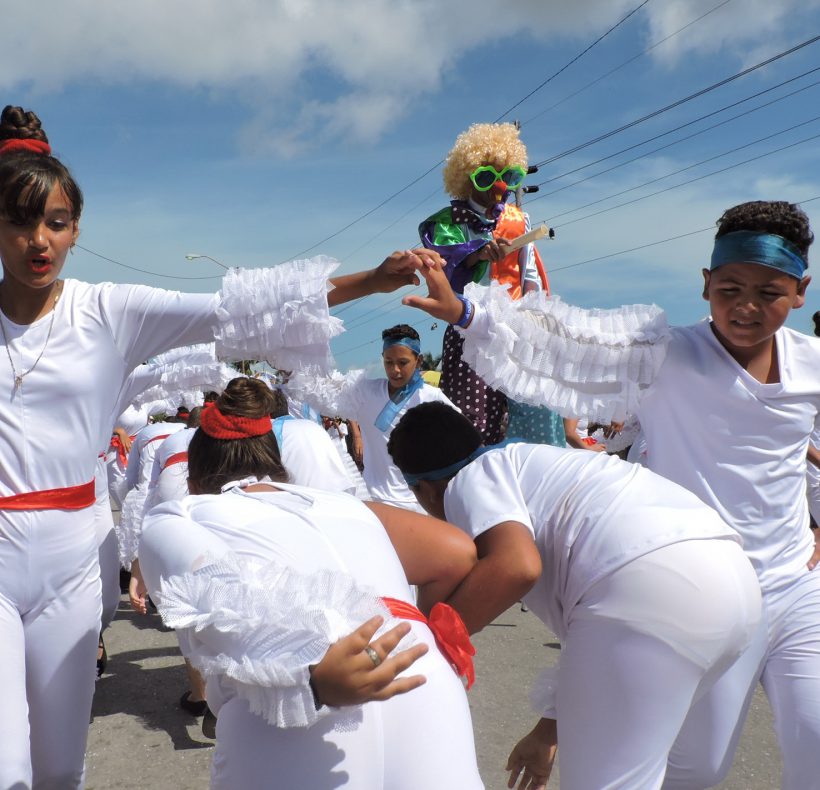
(18, 377)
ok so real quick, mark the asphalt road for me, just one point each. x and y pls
(140, 738)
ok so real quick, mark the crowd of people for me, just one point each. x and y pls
(324, 544)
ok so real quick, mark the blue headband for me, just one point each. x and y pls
(453, 469)
(767, 249)
(411, 343)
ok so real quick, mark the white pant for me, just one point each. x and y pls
(49, 625)
(785, 657)
(640, 647)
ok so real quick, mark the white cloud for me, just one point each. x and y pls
(377, 56)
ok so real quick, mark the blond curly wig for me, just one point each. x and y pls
(495, 144)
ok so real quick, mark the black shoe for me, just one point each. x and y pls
(209, 724)
(192, 707)
(102, 661)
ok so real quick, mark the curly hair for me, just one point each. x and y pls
(770, 216)
(816, 319)
(496, 144)
(399, 331)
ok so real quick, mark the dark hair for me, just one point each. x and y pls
(193, 417)
(280, 404)
(214, 462)
(816, 319)
(431, 436)
(770, 216)
(399, 331)
(211, 397)
(26, 177)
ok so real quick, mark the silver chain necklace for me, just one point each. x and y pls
(18, 377)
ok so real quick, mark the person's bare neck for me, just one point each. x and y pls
(760, 361)
(25, 305)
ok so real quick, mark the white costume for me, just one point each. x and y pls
(737, 444)
(309, 456)
(647, 589)
(288, 573)
(356, 397)
(813, 481)
(52, 429)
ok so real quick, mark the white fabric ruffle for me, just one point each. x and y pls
(543, 693)
(578, 362)
(183, 374)
(130, 527)
(279, 315)
(334, 394)
(258, 628)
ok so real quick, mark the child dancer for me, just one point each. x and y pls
(647, 589)
(67, 349)
(376, 404)
(726, 413)
(261, 580)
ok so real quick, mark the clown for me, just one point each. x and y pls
(485, 166)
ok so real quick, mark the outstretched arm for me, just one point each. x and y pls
(397, 270)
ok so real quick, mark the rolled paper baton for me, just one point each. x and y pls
(526, 238)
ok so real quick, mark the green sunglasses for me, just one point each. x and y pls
(485, 176)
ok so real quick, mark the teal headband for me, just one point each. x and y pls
(767, 249)
(413, 479)
(411, 343)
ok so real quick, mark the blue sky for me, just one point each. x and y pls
(254, 130)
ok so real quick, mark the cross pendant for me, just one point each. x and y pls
(18, 382)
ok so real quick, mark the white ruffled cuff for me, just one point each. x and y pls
(130, 527)
(335, 394)
(182, 374)
(578, 362)
(278, 314)
(543, 693)
(258, 628)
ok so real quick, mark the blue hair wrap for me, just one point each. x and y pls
(767, 249)
(411, 343)
(453, 469)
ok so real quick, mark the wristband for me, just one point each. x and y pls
(467, 315)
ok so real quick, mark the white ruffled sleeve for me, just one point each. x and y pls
(259, 627)
(182, 374)
(278, 314)
(129, 527)
(337, 394)
(578, 362)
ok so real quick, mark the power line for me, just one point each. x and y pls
(575, 59)
(627, 62)
(145, 271)
(679, 102)
(676, 129)
(684, 169)
(691, 181)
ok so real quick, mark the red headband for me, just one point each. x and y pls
(37, 146)
(227, 426)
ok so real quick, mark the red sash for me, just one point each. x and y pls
(72, 498)
(176, 458)
(449, 630)
(157, 438)
(116, 444)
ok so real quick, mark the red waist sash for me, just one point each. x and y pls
(449, 630)
(71, 498)
(176, 458)
(116, 444)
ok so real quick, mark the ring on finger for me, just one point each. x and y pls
(373, 656)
